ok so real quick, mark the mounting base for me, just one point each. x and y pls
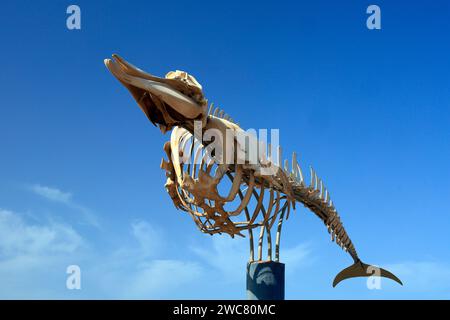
(265, 280)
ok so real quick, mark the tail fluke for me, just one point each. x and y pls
(360, 269)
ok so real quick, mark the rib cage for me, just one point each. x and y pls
(190, 170)
(194, 176)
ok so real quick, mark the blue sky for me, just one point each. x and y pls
(79, 162)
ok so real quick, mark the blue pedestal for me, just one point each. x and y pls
(265, 280)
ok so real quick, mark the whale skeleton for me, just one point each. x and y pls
(248, 199)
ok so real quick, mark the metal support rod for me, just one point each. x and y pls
(277, 240)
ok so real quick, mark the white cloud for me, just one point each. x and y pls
(33, 256)
(137, 270)
(150, 238)
(162, 279)
(52, 194)
(57, 195)
(148, 242)
(226, 255)
(20, 238)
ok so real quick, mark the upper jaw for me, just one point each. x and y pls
(166, 102)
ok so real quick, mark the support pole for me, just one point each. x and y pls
(265, 280)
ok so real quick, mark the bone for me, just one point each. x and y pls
(271, 179)
(211, 106)
(175, 139)
(336, 222)
(341, 233)
(294, 165)
(270, 208)
(321, 189)
(331, 219)
(198, 152)
(247, 196)
(337, 239)
(345, 240)
(338, 228)
(278, 236)
(269, 244)
(288, 211)
(190, 159)
(286, 184)
(250, 231)
(279, 157)
(259, 204)
(277, 208)
(263, 152)
(182, 147)
(286, 166)
(300, 174)
(260, 242)
(237, 180)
